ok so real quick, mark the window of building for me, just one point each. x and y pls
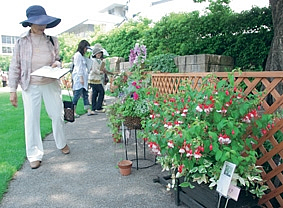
(111, 11)
(9, 39)
(7, 50)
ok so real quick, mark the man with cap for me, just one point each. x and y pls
(32, 51)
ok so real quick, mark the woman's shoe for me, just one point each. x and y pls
(93, 113)
(65, 150)
(100, 111)
(35, 164)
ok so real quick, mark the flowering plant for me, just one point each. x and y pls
(133, 94)
(137, 56)
(134, 101)
(194, 132)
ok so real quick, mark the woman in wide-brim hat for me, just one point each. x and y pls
(95, 79)
(32, 51)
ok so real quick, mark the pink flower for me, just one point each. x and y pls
(224, 139)
(263, 131)
(138, 87)
(170, 144)
(176, 123)
(135, 96)
(189, 153)
(168, 125)
(134, 83)
(182, 151)
(197, 154)
(154, 148)
(199, 108)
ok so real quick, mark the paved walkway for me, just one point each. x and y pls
(88, 177)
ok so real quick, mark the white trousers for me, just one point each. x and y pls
(32, 98)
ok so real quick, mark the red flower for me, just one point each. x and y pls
(180, 168)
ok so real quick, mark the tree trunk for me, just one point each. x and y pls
(274, 60)
(275, 57)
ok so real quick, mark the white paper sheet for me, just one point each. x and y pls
(48, 71)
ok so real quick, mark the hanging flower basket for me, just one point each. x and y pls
(133, 122)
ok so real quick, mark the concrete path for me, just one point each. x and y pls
(88, 177)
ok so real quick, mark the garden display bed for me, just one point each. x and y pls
(203, 197)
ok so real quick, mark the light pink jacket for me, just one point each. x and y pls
(20, 67)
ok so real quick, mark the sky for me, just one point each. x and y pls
(12, 12)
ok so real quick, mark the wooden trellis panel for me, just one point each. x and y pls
(253, 82)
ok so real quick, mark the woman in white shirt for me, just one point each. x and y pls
(80, 76)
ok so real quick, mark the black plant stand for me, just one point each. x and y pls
(137, 158)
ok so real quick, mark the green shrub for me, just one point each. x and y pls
(162, 63)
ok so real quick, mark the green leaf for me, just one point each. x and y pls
(184, 184)
(218, 155)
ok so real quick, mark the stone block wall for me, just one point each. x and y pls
(197, 63)
(204, 63)
(115, 63)
(125, 66)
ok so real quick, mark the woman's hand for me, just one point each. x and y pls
(14, 99)
(56, 64)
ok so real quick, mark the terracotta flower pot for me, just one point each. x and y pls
(125, 167)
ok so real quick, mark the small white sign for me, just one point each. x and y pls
(234, 192)
(224, 181)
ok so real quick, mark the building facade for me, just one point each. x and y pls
(7, 44)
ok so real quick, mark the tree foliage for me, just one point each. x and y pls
(5, 63)
(245, 36)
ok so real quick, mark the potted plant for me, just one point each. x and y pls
(134, 103)
(195, 131)
(134, 89)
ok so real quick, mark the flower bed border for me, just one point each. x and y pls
(168, 83)
(203, 197)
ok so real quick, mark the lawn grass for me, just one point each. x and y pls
(12, 136)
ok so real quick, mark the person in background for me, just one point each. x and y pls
(104, 81)
(80, 77)
(4, 79)
(33, 51)
(95, 79)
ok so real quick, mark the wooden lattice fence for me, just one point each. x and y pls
(253, 82)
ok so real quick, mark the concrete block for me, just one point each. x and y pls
(124, 66)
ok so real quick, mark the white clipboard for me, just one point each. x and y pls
(48, 71)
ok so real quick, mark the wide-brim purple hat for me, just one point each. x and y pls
(37, 15)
